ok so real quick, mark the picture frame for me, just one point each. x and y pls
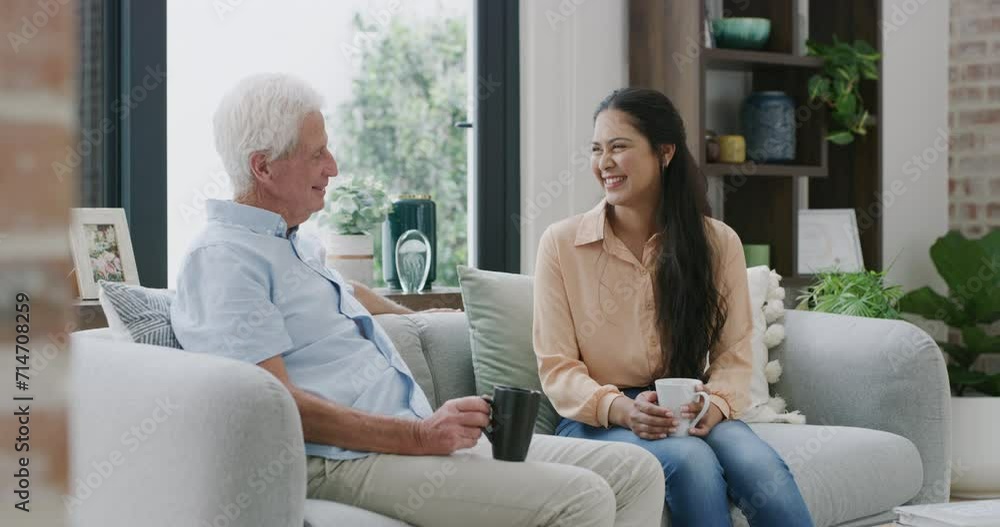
(828, 240)
(101, 248)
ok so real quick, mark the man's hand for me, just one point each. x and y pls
(457, 424)
(713, 417)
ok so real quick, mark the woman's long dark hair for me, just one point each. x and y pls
(690, 310)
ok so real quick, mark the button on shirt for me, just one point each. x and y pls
(595, 328)
(249, 291)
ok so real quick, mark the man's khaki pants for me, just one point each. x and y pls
(563, 482)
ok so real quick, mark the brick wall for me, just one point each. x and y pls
(974, 117)
(37, 124)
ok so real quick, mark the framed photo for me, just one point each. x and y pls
(102, 249)
(828, 241)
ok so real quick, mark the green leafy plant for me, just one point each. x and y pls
(410, 88)
(837, 86)
(356, 205)
(971, 269)
(859, 294)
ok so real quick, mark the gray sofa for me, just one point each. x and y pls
(208, 441)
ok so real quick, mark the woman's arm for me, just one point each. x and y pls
(730, 359)
(565, 378)
(377, 304)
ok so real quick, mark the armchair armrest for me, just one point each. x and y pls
(879, 374)
(163, 437)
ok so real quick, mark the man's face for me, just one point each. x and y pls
(297, 182)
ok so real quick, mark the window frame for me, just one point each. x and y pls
(135, 145)
(498, 137)
(135, 149)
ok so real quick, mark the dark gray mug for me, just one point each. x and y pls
(512, 421)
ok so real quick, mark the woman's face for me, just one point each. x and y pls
(624, 162)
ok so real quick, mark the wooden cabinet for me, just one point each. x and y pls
(761, 201)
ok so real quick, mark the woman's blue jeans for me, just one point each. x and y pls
(701, 473)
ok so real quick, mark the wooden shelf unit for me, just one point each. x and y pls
(760, 201)
(746, 60)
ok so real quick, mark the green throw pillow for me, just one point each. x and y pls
(499, 307)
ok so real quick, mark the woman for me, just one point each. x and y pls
(646, 286)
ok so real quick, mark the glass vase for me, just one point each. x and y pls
(413, 260)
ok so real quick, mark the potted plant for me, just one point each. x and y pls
(837, 85)
(859, 294)
(971, 270)
(355, 207)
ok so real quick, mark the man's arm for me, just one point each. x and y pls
(457, 424)
(377, 304)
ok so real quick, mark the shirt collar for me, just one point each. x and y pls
(256, 219)
(594, 226)
(591, 228)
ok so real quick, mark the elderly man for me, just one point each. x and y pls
(255, 289)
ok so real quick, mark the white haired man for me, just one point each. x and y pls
(253, 288)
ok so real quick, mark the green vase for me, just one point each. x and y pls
(410, 211)
(757, 254)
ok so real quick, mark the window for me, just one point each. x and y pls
(90, 82)
(395, 76)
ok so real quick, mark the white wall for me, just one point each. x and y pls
(573, 54)
(914, 122)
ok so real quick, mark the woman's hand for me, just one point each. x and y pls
(713, 417)
(646, 418)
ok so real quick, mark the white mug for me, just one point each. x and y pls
(676, 392)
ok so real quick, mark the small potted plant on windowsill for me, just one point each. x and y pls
(355, 207)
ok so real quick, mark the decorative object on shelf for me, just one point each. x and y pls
(102, 249)
(757, 254)
(829, 241)
(741, 32)
(838, 85)
(711, 146)
(410, 211)
(858, 294)
(971, 308)
(355, 206)
(713, 10)
(769, 126)
(413, 260)
(732, 149)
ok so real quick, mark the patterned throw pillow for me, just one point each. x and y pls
(142, 312)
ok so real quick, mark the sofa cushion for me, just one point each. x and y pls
(500, 316)
(445, 340)
(405, 335)
(846, 473)
(140, 312)
(323, 513)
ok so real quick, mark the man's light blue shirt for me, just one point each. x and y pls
(249, 291)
